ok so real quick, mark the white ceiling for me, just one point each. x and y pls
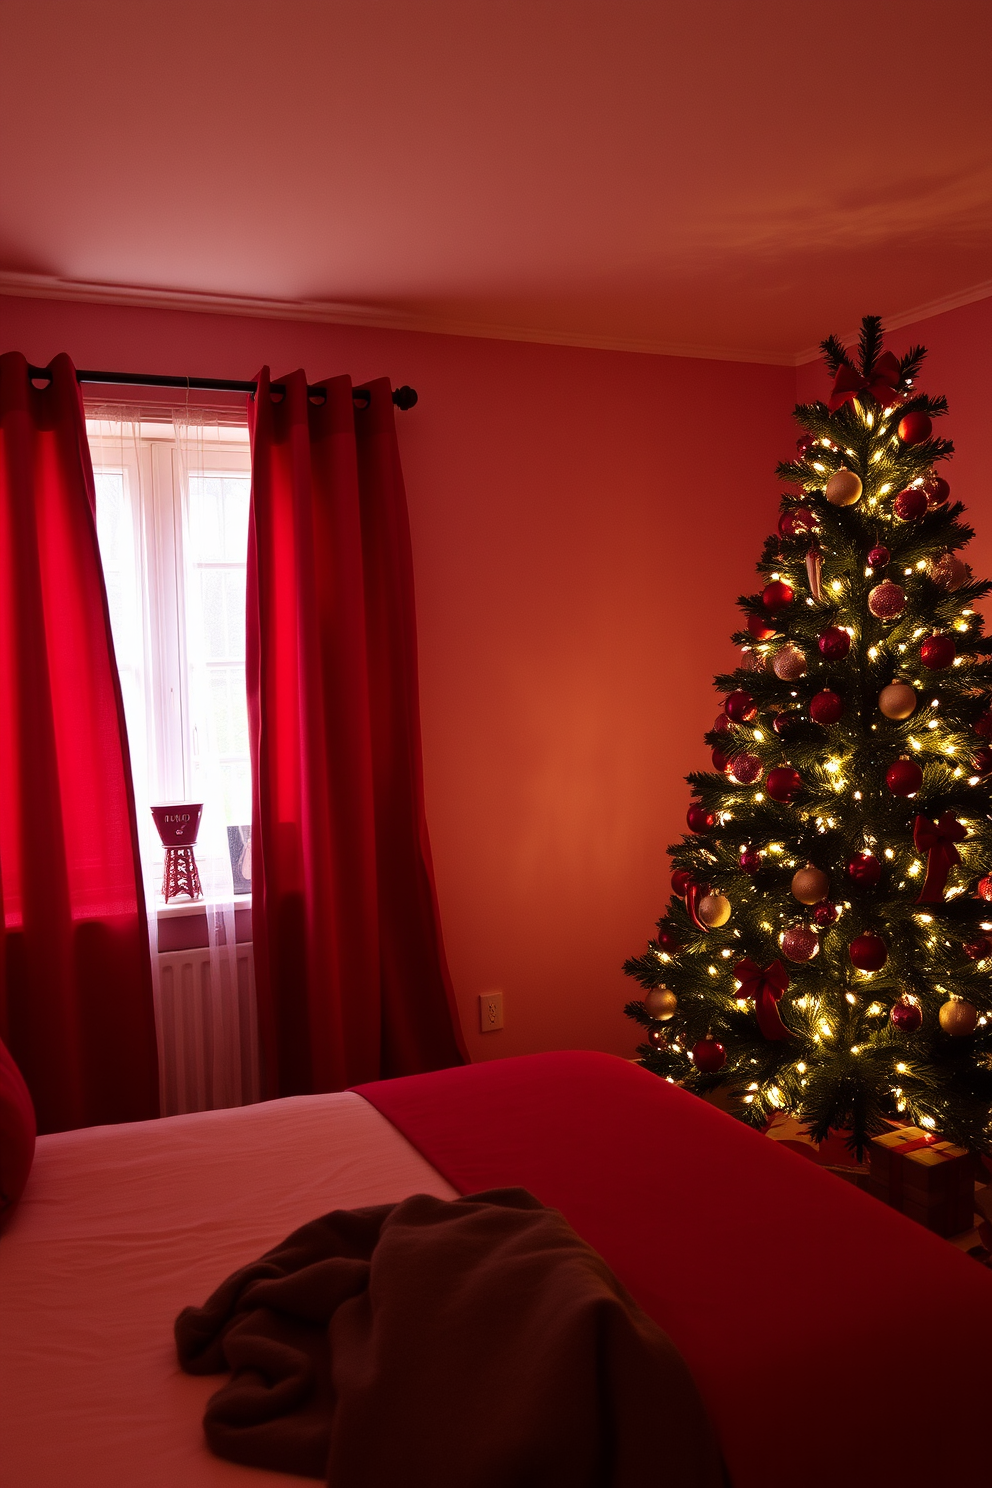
(724, 177)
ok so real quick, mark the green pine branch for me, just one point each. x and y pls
(834, 354)
(870, 343)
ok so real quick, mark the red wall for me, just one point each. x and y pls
(582, 523)
(958, 364)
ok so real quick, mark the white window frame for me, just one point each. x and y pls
(153, 489)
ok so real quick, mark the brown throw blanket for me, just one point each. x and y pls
(476, 1343)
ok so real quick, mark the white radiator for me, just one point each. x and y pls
(207, 1033)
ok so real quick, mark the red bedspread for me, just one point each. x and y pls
(833, 1341)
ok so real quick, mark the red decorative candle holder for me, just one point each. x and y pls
(178, 823)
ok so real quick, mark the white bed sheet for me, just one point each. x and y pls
(119, 1228)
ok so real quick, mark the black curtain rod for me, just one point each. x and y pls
(403, 397)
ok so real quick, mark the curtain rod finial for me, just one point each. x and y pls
(405, 397)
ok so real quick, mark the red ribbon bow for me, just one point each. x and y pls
(937, 839)
(882, 385)
(766, 987)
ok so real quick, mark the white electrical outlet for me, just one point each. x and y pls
(490, 1011)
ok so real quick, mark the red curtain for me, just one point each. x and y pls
(351, 978)
(75, 976)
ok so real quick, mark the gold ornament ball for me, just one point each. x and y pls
(810, 885)
(844, 487)
(958, 1017)
(714, 910)
(789, 664)
(661, 1003)
(897, 701)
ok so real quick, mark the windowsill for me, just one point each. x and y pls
(184, 926)
(178, 907)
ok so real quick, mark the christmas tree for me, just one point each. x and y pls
(827, 949)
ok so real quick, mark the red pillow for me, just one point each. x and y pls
(18, 1130)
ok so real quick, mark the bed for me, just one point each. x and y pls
(831, 1339)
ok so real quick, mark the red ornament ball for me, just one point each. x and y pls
(708, 1056)
(719, 760)
(983, 725)
(786, 723)
(740, 707)
(826, 707)
(977, 950)
(825, 915)
(722, 724)
(797, 520)
(914, 428)
(868, 952)
(805, 443)
(984, 890)
(698, 819)
(759, 627)
(865, 870)
(751, 859)
(879, 557)
(949, 572)
(789, 664)
(937, 489)
(981, 762)
(666, 941)
(800, 943)
(938, 652)
(904, 777)
(784, 784)
(657, 1038)
(777, 595)
(906, 1015)
(911, 504)
(682, 882)
(746, 768)
(886, 600)
(834, 643)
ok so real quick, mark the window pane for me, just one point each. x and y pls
(222, 605)
(212, 611)
(234, 610)
(118, 549)
(218, 518)
(118, 535)
(217, 525)
(110, 515)
(237, 793)
(227, 706)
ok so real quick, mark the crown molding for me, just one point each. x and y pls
(907, 317)
(50, 287)
(381, 317)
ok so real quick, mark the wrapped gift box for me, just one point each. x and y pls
(925, 1178)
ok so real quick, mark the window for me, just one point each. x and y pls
(172, 521)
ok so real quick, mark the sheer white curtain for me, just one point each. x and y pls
(217, 1053)
(172, 501)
